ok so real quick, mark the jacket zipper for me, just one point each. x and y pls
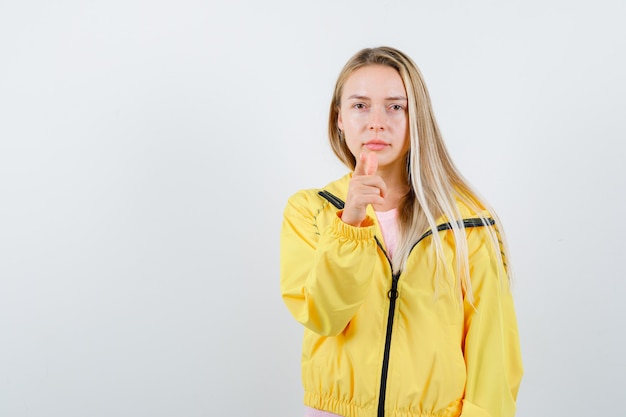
(393, 292)
(393, 296)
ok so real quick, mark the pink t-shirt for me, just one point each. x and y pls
(389, 227)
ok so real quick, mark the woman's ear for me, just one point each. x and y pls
(339, 121)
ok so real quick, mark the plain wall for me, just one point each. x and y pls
(147, 149)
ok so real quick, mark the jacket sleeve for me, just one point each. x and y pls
(491, 348)
(325, 274)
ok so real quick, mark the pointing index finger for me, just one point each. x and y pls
(359, 168)
(371, 163)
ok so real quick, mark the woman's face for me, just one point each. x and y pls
(373, 114)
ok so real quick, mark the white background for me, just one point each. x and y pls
(148, 149)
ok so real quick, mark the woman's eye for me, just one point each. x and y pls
(397, 107)
(359, 106)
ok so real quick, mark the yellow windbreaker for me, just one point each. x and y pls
(378, 345)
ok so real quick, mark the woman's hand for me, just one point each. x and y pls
(365, 188)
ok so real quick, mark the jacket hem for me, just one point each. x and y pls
(346, 409)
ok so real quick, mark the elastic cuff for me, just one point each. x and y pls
(363, 232)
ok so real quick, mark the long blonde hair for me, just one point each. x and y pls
(435, 183)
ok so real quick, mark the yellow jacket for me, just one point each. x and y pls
(378, 345)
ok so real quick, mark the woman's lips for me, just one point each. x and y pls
(375, 145)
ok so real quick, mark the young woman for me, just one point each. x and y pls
(398, 270)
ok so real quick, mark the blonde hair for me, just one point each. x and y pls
(435, 184)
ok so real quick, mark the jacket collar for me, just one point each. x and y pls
(340, 186)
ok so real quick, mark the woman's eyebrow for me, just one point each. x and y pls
(397, 98)
(358, 97)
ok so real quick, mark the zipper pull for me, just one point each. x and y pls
(393, 292)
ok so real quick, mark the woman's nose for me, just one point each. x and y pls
(376, 120)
